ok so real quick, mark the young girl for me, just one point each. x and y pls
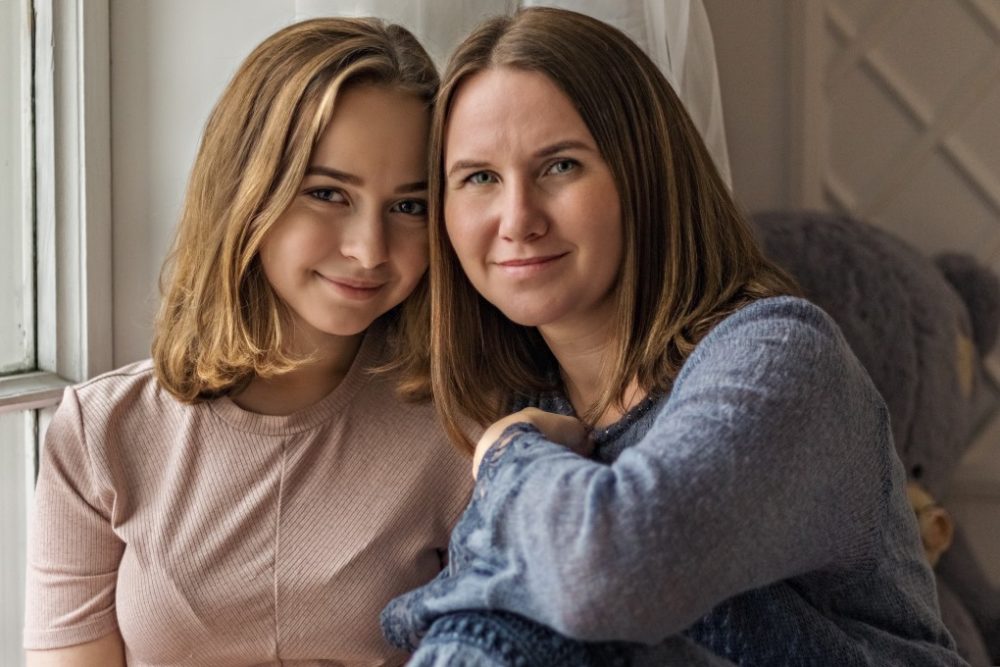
(248, 496)
(744, 503)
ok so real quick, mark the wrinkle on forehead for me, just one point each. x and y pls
(511, 111)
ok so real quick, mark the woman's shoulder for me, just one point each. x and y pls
(788, 314)
(784, 327)
(783, 344)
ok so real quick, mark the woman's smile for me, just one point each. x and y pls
(526, 267)
(531, 207)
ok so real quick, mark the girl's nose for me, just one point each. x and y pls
(364, 240)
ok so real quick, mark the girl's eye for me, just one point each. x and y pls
(328, 194)
(480, 178)
(563, 166)
(413, 207)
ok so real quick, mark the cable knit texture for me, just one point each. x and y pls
(755, 516)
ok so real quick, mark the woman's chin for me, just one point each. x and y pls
(526, 317)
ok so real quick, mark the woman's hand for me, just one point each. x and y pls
(560, 429)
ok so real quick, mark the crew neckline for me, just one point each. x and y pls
(611, 432)
(605, 434)
(319, 412)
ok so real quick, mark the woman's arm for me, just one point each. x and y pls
(499, 639)
(769, 460)
(108, 651)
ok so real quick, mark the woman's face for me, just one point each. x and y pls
(531, 207)
(353, 242)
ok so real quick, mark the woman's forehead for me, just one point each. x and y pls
(511, 108)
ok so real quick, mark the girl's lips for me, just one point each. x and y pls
(529, 261)
(357, 290)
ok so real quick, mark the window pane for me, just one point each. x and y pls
(17, 463)
(16, 228)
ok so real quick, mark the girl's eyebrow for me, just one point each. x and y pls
(313, 170)
(415, 186)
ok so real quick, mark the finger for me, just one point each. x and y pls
(564, 430)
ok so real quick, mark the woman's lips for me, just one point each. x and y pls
(528, 266)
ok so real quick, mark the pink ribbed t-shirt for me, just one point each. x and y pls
(208, 535)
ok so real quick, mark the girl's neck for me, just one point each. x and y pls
(305, 386)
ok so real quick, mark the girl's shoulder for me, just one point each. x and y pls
(119, 401)
(134, 385)
(138, 372)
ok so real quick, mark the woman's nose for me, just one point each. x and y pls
(522, 217)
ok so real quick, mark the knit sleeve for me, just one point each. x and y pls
(769, 459)
(500, 639)
(73, 555)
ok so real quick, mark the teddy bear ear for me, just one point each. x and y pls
(980, 290)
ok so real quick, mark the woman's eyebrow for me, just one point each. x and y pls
(551, 149)
(467, 164)
(560, 146)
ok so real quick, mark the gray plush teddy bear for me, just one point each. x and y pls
(921, 328)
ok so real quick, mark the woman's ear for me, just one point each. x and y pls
(937, 528)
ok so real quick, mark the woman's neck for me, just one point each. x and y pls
(584, 358)
(305, 386)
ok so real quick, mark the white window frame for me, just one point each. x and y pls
(67, 178)
(72, 184)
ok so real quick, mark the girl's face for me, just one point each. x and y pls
(531, 207)
(353, 242)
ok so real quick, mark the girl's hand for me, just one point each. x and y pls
(560, 429)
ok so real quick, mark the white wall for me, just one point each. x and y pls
(170, 62)
(752, 53)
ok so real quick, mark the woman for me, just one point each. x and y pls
(247, 496)
(745, 505)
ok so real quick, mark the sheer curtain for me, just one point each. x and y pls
(675, 33)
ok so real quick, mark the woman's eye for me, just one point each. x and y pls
(328, 195)
(480, 178)
(413, 207)
(563, 166)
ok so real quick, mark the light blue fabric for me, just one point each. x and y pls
(758, 511)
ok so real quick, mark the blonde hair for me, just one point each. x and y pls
(220, 324)
(689, 257)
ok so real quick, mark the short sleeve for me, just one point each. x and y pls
(73, 553)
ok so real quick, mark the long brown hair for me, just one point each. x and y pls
(220, 323)
(689, 257)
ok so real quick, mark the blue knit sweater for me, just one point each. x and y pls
(756, 515)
